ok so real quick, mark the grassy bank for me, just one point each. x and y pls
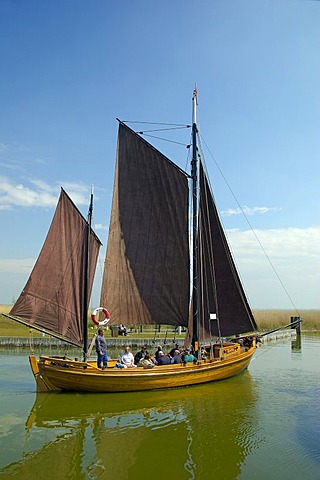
(266, 320)
(269, 319)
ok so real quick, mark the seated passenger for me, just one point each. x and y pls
(163, 359)
(187, 356)
(247, 341)
(122, 330)
(159, 349)
(146, 362)
(176, 357)
(119, 365)
(127, 358)
(153, 360)
(141, 354)
(203, 353)
(176, 347)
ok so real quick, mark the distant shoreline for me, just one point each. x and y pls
(16, 335)
(50, 342)
(120, 342)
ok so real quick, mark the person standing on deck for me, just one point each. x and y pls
(101, 349)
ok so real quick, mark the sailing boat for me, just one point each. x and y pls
(147, 276)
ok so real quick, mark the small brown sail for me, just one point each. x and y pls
(146, 274)
(53, 296)
(219, 288)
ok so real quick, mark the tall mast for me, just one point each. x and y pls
(194, 176)
(86, 280)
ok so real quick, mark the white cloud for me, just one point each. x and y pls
(38, 193)
(288, 270)
(79, 192)
(248, 210)
(278, 243)
(99, 226)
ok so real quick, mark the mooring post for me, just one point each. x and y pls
(296, 323)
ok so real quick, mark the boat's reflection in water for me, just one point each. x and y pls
(190, 432)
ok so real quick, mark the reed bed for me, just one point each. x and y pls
(269, 319)
(5, 308)
(10, 328)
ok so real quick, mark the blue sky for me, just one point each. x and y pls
(69, 68)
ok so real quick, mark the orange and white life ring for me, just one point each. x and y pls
(106, 314)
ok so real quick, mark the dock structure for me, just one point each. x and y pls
(280, 335)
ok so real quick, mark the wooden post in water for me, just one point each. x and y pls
(296, 323)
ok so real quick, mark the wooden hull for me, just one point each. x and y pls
(54, 374)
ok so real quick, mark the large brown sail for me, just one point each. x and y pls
(53, 296)
(146, 274)
(219, 288)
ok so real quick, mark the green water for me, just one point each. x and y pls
(263, 424)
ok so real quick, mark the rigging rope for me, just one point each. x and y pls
(165, 139)
(31, 341)
(173, 126)
(162, 129)
(264, 350)
(159, 123)
(250, 226)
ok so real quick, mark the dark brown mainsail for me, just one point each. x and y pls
(219, 288)
(146, 275)
(53, 297)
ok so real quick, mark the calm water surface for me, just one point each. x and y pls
(263, 424)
